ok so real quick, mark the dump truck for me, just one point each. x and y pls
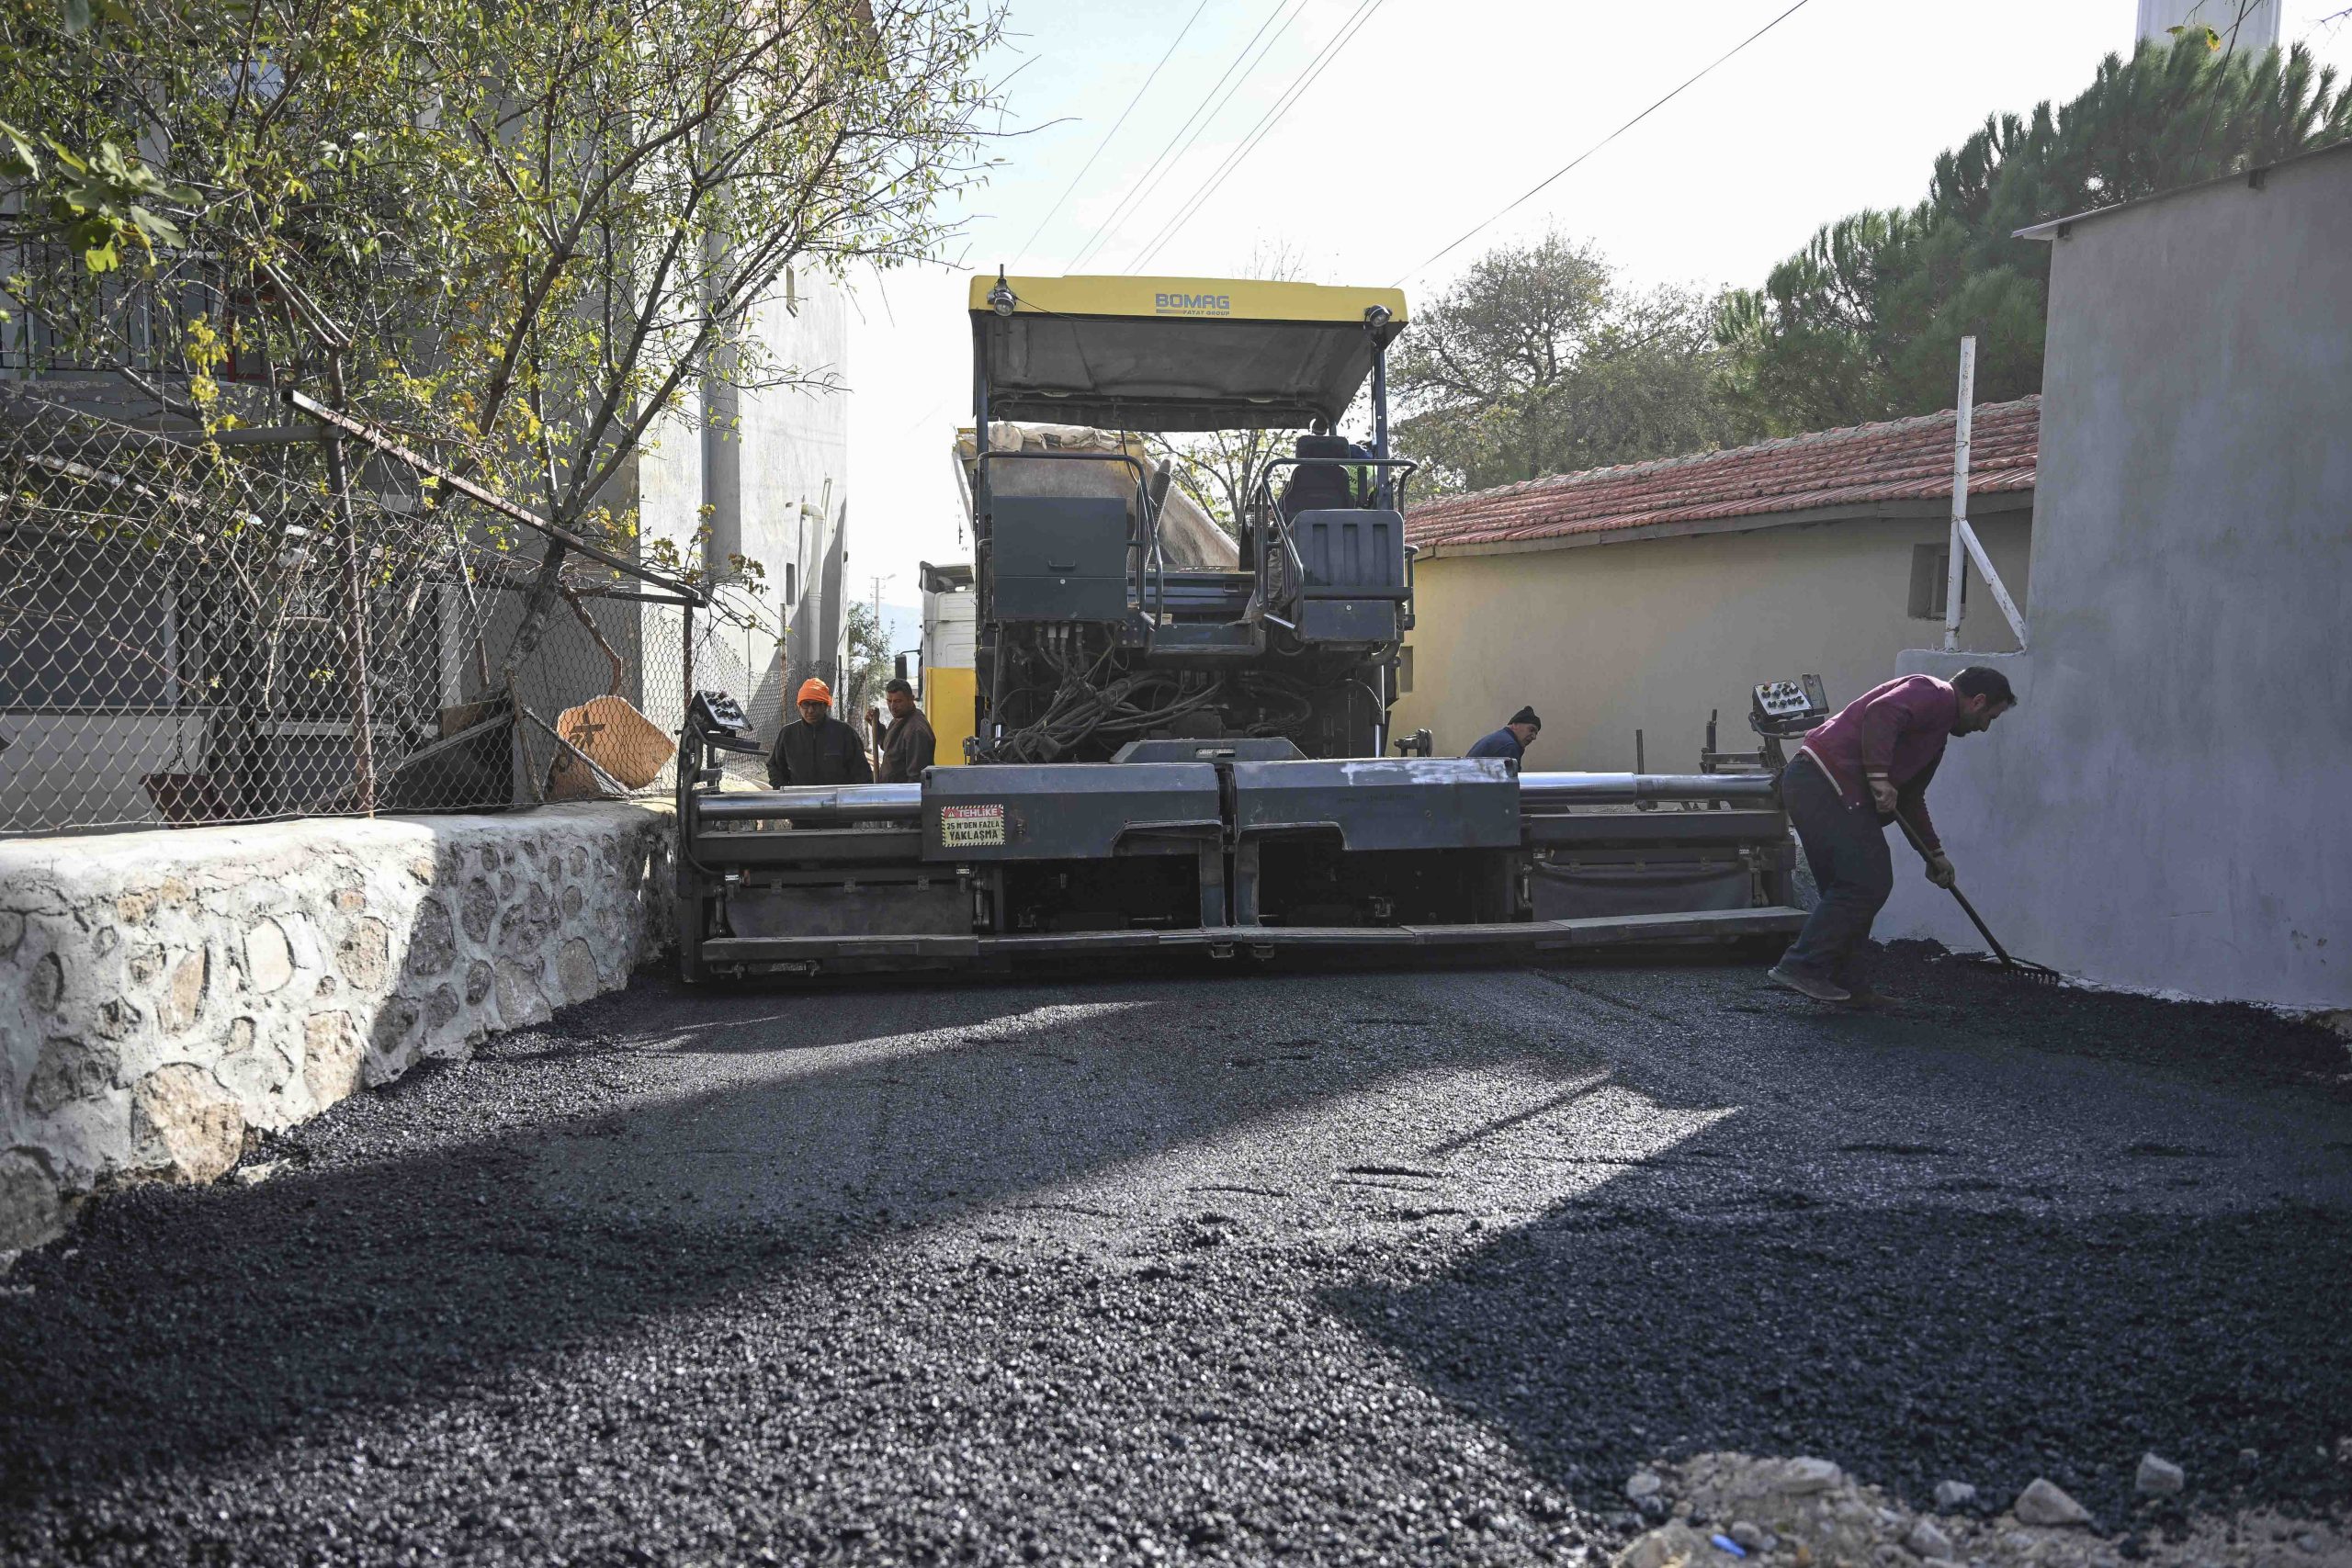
(1180, 746)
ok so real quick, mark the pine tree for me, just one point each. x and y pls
(1862, 325)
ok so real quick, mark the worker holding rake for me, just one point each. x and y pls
(1866, 766)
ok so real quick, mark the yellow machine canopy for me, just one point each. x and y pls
(1176, 353)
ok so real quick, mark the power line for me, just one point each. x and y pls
(1171, 153)
(1258, 133)
(1204, 112)
(1107, 135)
(1608, 139)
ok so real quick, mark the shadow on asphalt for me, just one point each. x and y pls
(1909, 1344)
(1765, 1309)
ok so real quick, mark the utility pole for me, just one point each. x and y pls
(1955, 556)
(864, 698)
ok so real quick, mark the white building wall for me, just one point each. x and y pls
(793, 506)
(2168, 807)
(769, 468)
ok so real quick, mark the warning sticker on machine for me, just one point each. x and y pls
(969, 827)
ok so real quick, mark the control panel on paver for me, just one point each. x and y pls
(1791, 699)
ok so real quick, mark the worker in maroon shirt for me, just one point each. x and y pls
(1841, 789)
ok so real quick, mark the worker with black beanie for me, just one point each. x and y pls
(1512, 740)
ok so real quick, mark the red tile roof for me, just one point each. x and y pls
(1904, 459)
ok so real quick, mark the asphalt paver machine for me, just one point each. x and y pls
(1170, 757)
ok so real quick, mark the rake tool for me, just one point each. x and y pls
(2040, 973)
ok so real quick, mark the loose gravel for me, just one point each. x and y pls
(1331, 1267)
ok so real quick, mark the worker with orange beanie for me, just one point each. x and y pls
(820, 748)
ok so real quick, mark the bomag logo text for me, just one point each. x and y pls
(1193, 304)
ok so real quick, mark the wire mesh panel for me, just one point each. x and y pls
(199, 626)
(739, 654)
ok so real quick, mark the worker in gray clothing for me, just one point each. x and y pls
(908, 745)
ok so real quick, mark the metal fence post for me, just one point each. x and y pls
(355, 592)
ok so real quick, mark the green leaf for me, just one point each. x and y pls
(74, 16)
(101, 247)
(20, 159)
(66, 155)
(156, 227)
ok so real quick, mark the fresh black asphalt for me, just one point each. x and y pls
(1319, 1267)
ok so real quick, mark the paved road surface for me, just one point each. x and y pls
(1335, 1266)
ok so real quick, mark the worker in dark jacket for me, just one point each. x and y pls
(820, 748)
(1845, 784)
(908, 745)
(1511, 741)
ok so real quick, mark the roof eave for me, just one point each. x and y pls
(2057, 228)
(2018, 499)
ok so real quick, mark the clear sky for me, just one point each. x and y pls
(1429, 117)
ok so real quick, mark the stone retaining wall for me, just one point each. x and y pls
(162, 993)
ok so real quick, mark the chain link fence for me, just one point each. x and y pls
(206, 627)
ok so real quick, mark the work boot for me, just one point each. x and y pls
(1812, 986)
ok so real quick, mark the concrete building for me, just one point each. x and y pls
(1642, 597)
(770, 470)
(2167, 806)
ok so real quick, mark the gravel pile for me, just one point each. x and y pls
(2233, 1042)
(1724, 1508)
